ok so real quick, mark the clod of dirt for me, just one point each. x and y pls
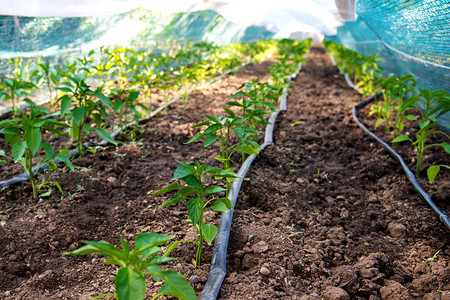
(393, 290)
(260, 247)
(335, 293)
(397, 230)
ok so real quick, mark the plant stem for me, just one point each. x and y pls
(198, 256)
(420, 149)
(29, 168)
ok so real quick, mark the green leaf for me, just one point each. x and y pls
(66, 102)
(226, 201)
(187, 191)
(52, 165)
(401, 138)
(230, 112)
(64, 89)
(88, 249)
(209, 232)
(173, 200)
(49, 153)
(169, 188)
(182, 171)
(247, 149)
(221, 158)
(238, 121)
(64, 159)
(240, 93)
(58, 186)
(175, 285)
(195, 209)
(118, 105)
(151, 239)
(107, 249)
(18, 150)
(78, 114)
(195, 137)
(157, 260)
(46, 194)
(105, 100)
(193, 182)
(214, 189)
(125, 246)
(212, 128)
(207, 122)
(171, 246)
(212, 118)
(219, 206)
(11, 130)
(432, 172)
(130, 284)
(211, 139)
(105, 135)
(33, 137)
(378, 122)
(150, 252)
(226, 174)
(446, 147)
(411, 117)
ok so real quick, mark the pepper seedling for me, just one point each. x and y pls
(124, 102)
(194, 190)
(221, 128)
(436, 103)
(133, 265)
(85, 106)
(25, 139)
(16, 85)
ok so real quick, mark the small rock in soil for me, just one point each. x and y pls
(260, 247)
(335, 293)
(373, 215)
(397, 230)
(264, 271)
(194, 279)
(113, 181)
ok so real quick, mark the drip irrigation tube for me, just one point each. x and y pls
(219, 258)
(74, 153)
(443, 217)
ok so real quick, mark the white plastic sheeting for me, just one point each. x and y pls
(288, 18)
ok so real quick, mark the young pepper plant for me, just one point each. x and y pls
(436, 103)
(25, 139)
(394, 91)
(125, 102)
(194, 190)
(221, 128)
(85, 106)
(257, 96)
(16, 85)
(130, 281)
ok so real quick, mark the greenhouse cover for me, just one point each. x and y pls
(412, 37)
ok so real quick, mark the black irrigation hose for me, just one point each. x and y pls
(74, 153)
(443, 217)
(219, 258)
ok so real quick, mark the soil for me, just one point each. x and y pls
(324, 213)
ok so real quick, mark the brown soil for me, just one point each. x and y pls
(324, 213)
